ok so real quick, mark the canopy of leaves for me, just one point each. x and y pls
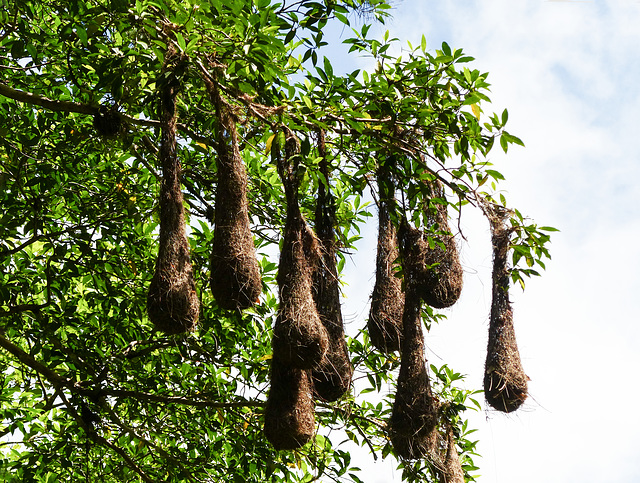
(89, 391)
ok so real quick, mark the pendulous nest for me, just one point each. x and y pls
(172, 301)
(415, 409)
(439, 279)
(108, 122)
(289, 418)
(235, 272)
(444, 457)
(332, 377)
(387, 299)
(505, 382)
(299, 337)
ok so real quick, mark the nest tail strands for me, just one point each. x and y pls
(299, 337)
(415, 409)
(439, 280)
(235, 272)
(387, 300)
(445, 458)
(172, 301)
(332, 378)
(505, 382)
(452, 471)
(289, 419)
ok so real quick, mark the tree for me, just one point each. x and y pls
(104, 104)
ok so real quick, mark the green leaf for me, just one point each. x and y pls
(180, 40)
(328, 68)
(467, 75)
(494, 174)
(511, 139)
(307, 102)
(504, 143)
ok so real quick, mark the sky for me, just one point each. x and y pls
(568, 72)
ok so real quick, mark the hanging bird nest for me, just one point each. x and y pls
(289, 418)
(332, 377)
(452, 471)
(444, 457)
(299, 337)
(505, 382)
(415, 408)
(108, 122)
(172, 301)
(235, 272)
(387, 299)
(439, 277)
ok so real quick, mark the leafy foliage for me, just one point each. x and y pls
(89, 390)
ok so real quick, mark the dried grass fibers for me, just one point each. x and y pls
(415, 409)
(444, 457)
(505, 382)
(235, 272)
(172, 301)
(299, 337)
(108, 122)
(439, 279)
(332, 377)
(289, 418)
(387, 299)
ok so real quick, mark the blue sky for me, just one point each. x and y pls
(568, 72)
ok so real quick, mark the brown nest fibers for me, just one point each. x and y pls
(452, 471)
(387, 299)
(444, 457)
(289, 418)
(172, 301)
(107, 122)
(332, 378)
(235, 272)
(505, 382)
(415, 409)
(299, 337)
(439, 280)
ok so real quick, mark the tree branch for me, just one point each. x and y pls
(59, 381)
(54, 234)
(185, 401)
(53, 377)
(93, 436)
(36, 100)
(67, 106)
(123, 454)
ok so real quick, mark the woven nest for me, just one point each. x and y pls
(299, 337)
(289, 419)
(332, 378)
(444, 457)
(172, 301)
(108, 122)
(505, 382)
(235, 272)
(387, 300)
(438, 273)
(415, 409)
